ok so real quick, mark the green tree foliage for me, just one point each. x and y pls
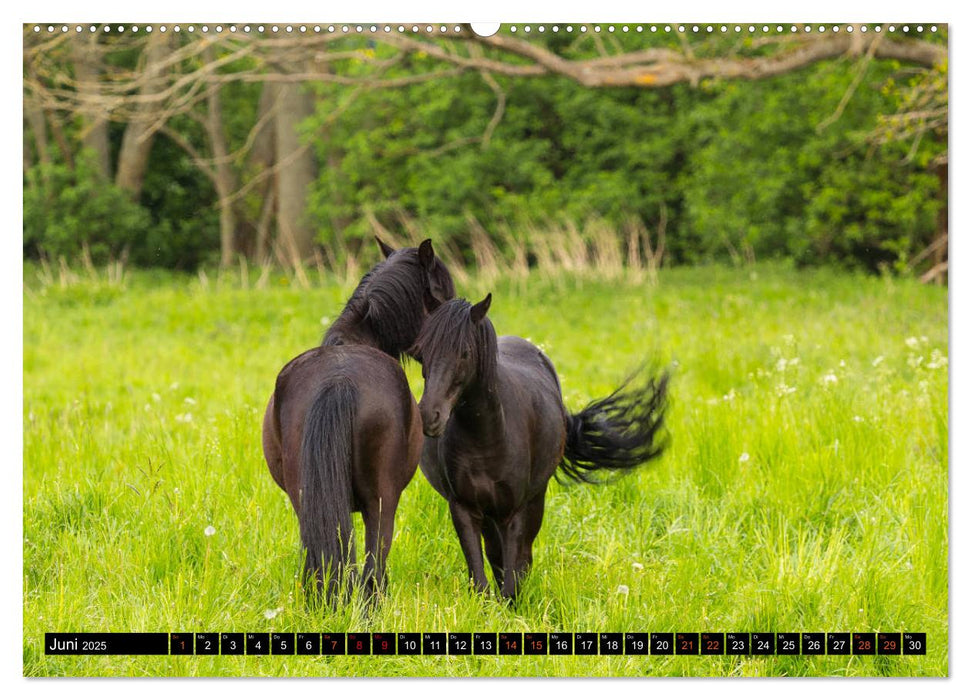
(774, 168)
(779, 170)
(174, 225)
(66, 210)
(828, 164)
(559, 150)
(185, 222)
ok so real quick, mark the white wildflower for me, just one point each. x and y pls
(270, 614)
(637, 566)
(173, 386)
(209, 531)
(156, 397)
(744, 457)
(830, 378)
(622, 590)
(938, 360)
(730, 396)
(915, 361)
(189, 400)
(184, 418)
(325, 321)
(877, 360)
(912, 343)
(857, 419)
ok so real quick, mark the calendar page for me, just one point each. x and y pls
(524, 349)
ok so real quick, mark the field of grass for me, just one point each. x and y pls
(805, 488)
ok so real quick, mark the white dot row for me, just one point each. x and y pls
(261, 29)
(430, 29)
(723, 28)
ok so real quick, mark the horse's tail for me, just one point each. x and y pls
(617, 433)
(325, 484)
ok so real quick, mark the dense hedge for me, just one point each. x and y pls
(762, 168)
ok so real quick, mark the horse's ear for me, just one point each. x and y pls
(431, 301)
(479, 311)
(385, 248)
(426, 254)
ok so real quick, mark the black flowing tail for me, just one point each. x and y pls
(617, 433)
(325, 475)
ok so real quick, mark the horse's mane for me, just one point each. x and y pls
(450, 330)
(387, 308)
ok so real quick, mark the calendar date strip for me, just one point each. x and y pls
(488, 643)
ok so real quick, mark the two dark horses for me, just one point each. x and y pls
(342, 431)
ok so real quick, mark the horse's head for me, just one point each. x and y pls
(457, 351)
(437, 285)
(392, 300)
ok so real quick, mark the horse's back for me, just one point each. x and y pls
(386, 424)
(532, 398)
(523, 360)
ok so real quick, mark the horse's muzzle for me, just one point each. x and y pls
(432, 422)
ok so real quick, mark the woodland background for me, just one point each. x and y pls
(609, 144)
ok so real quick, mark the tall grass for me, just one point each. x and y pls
(805, 488)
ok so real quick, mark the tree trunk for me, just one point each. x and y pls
(225, 180)
(297, 170)
(941, 254)
(136, 145)
(38, 129)
(261, 159)
(34, 116)
(60, 138)
(94, 133)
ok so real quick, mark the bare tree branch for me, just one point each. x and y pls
(669, 68)
(500, 107)
(854, 84)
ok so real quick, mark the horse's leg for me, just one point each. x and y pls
(378, 531)
(469, 528)
(532, 522)
(517, 552)
(493, 547)
(511, 532)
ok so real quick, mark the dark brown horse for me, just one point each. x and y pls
(342, 431)
(497, 431)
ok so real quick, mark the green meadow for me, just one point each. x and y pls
(804, 490)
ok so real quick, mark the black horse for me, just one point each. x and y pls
(497, 431)
(342, 431)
